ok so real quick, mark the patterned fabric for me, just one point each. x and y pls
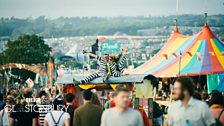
(102, 66)
(101, 72)
(90, 78)
(118, 69)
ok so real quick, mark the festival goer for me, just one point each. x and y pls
(88, 114)
(117, 63)
(4, 114)
(107, 104)
(204, 96)
(121, 114)
(2, 104)
(187, 110)
(157, 114)
(57, 117)
(216, 107)
(44, 106)
(95, 100)
(70, 98)
(102, 72)
(113, 104)
(25, 113)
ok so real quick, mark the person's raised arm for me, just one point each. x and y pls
(89, 53)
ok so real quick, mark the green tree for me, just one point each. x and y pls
(28, 49)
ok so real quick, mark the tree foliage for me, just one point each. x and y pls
(28, 49)
(82, 26)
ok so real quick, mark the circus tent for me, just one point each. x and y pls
(199, 54)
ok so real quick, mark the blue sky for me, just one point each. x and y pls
(109, 8)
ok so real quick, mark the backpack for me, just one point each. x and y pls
(217, 120)
(56, 123)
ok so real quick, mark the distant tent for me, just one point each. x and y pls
(200, 54)
(75, 53)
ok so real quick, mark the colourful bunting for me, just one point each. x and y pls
(174, 54)
(166, 56)
(189, 53)
(199, 56)
(212, 53)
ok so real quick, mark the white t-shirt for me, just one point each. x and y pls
(56, 115)
(4, 118)
(131, 117)
(197, 113)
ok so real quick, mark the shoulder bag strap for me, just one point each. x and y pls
(60, 117)
(220, 114)
(52, 118)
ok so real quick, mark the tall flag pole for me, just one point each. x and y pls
(179, 64)
(50, 67)
(49, 73)
(205, 19)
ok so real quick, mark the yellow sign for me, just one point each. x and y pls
(144, 90)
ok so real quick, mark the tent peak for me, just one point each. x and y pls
(206, 33)
(175, 29)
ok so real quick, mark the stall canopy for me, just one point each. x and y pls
(33, 68)
(200, 54)
(68, 79)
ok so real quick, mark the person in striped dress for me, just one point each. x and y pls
(117, 64)
(44, 107)
(103, 68)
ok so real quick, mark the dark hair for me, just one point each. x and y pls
(57, 102)
(69, 97)
(197, 95)
(1, 97)
(42, 93)
(187, 83)
(204, 95)
(28, 94)
(216, 98)
(121, 89)
(87, 94)
(95, 100)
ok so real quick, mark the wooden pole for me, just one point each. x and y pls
(3, 80)
(1, 86)
(7, 84)
(179, 64)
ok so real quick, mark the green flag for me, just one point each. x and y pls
(212, 82)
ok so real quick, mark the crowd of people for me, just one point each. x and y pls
(27, 107)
